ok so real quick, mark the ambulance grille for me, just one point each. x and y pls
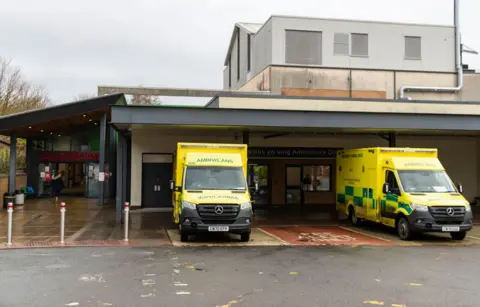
(440, 213)
(208, 211)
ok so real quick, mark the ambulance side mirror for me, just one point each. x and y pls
(386, 188)
(172, 185)
(460, 188)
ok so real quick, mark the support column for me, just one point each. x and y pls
(392, 139)
(119, 176)
(12, 174)
(246, 137)
(101, 164)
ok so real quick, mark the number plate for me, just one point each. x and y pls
(450, 228)
(217, 228)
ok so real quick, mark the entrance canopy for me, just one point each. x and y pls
(277, 120)
(59, 119)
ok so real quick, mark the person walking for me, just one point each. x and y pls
(57, 185)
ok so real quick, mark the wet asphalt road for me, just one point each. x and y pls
(247, 276)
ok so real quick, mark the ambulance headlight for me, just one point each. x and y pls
(189, 205)
(468, 208)
(418, 207)
(246, 206)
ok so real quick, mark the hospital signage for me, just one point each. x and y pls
(69, 156)
(291, 152)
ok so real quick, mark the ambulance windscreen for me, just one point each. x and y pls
(214, 178)
(425, 181)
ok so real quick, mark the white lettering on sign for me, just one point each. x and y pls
(324, 237)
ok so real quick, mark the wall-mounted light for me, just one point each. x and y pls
(51, 133)
(29, 127)
(95, 124)
(41, 130)
(84, 115)
(59, 135)
(90, 120)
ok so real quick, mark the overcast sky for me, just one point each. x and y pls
(73, 46)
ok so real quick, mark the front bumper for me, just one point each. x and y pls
(192, 222)
(423, 221)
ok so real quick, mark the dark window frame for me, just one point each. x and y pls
(249, 52)
(238, 55)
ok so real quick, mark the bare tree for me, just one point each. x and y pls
(145, 99)
(16, 94)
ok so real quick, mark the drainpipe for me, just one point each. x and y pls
(458, 64)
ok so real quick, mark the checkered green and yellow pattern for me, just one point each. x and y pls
(359, 196)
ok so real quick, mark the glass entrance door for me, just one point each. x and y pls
(293, 185)
(91, 172)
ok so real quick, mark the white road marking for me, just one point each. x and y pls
(477, 238)
(274, 236)
(96, 278)
(180, 285)
(365, 234)
(72, 304)
(150, 274)
(148, 282)
(182, 293)
(147, 295)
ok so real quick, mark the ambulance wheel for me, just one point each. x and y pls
(403, 229)
(183, 234)
(353, 217)
(245, 237)
(458, 235)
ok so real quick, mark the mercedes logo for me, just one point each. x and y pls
(450, 211)
(218, 209)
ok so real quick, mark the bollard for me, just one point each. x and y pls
(10, 212)
(62, 223)
(126, 208)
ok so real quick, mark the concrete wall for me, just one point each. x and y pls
(261, 82)
(459, 155)
(366, 83)
(386, 43)
(340, 105)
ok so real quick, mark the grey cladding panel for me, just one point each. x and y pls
(303, 47)
(413, 47)
(359, 44)
(341, 44)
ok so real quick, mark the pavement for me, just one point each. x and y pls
(335, 275)
(37, 224)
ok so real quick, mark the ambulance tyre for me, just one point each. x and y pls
(245, 237)
(183, 235)
(403, 229)
(352, 216)
(458, 236)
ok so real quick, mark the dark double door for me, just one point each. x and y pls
(156, 185)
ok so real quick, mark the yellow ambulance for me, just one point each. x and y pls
(404, 188)
(210, 191)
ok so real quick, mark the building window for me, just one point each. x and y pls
(341, 44)
(303, 47)
(238, 55)
(249, 52)
(413, 48)
(317, 178)
(359, 44)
